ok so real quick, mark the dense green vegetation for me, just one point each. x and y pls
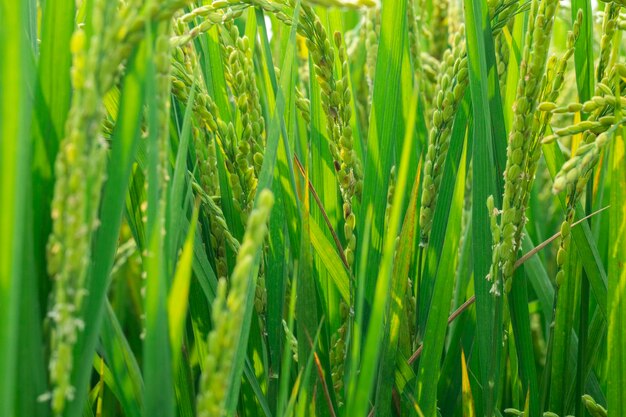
(312, 208)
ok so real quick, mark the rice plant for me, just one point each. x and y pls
(329, 208)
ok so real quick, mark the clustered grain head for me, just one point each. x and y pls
(338, 352)
(336, 103)
(79, 171)
(238, 56)
(522, 153)
(596, 132)
(451, 86)
(452, 82)
(228, 314)
(594, 409)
